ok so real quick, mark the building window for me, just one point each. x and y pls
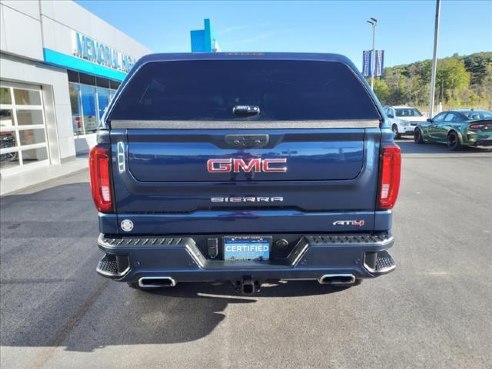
(5, 97)
(75, 103)
(22, 127)
(102, 101)
(89, 101)
(91, 121)
(27, 97)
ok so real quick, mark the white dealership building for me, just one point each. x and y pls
(59, 68)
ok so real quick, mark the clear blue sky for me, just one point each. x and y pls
(404, 31)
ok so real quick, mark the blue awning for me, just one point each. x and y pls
(70, 62)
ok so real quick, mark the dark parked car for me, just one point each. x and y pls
(457, 128)
(244, 167)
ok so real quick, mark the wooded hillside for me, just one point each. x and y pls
(461, 81)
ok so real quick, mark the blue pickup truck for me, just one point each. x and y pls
(244, 167)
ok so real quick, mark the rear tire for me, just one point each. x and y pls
(454, 143)
(396, 135)
(417, 137)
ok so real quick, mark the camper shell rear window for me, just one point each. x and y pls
(262, 90)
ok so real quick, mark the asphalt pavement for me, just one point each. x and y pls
(434, 311)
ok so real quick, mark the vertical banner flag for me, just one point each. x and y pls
(367, 63)
(379, 63)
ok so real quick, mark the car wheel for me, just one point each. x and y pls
(454, 143)
(396, 135)
(417, 137)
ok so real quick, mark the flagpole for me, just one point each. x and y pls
(434, 59)
(373, 22)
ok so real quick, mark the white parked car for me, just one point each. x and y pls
(403, 119)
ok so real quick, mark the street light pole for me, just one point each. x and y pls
(434, 60)
(373, 22)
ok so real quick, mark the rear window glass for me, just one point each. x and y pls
(411, 112)
(212, 89)
(477, 115)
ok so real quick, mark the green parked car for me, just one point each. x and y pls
(457, 128)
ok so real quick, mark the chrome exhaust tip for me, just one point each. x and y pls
(156, 282)
(337, 279)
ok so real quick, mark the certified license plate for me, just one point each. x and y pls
(247, 248)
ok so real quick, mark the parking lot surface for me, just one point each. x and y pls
(434, 311)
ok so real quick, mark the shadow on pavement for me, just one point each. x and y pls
(185, 313)
(118, 315)
(274, 289)
(52, 296)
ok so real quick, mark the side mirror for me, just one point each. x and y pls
(391, 116)
(429, 120)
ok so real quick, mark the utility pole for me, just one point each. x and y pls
(373, 22)
(434, 59)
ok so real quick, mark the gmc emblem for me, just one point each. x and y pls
(255, 165)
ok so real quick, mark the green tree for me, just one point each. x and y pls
(477, 65)
(396, 84)
(461, 81)
(452, 79)
(381, 90)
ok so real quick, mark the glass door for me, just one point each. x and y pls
(22, 127)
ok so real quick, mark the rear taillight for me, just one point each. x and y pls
(389, 183)
(476, 127)
(101, 179)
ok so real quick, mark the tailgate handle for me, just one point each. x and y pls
(244, 141)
